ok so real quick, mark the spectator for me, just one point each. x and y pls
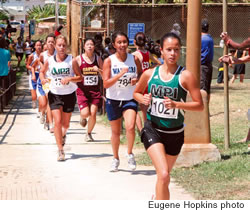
(8, 28)
(239, 68)
(22, 29)
(4, 58)
(207, 54)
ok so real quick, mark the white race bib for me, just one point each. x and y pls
(91, 80)
(158, 109)
(124, 81)
(57, 82)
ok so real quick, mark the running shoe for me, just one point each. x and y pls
(63, 140)
(88, 138)
(114, 165)
(83, 122)
(42, 118)
(33, 104)
(61, 155)
(131, 161)
(51, 130)
(46, 126)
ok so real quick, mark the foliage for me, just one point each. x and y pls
(48, 10)
(3, 15)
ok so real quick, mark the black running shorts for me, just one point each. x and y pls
(66, 101)
(171, 141)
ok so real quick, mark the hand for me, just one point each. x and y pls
(168, 103)
(224, 36)
(33, 78)
(133, 81)
(226, 59)
(95, 68)
(65, 80)
(44, 81)
(147, 99)
(124, 71)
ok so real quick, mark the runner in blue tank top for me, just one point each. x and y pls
(163, 133)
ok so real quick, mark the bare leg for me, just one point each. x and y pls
(242, 78)
(65, 122)
(115, 136)
(163, 164)
(57, 115)
(129, 116)
(92, 117)
(138, 122)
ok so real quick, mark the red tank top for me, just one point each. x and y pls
(145, 60)
(90, 77)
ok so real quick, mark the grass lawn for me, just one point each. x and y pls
(230, 177)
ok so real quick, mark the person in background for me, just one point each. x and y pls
(207, 54)
(5, 57)
(22, 29)
(20, 46)
(240, 67)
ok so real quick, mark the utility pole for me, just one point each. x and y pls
(226, 95)
(56, 13)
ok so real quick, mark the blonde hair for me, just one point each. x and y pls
(62, 37)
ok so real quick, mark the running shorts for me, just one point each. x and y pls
(115, 108)
(87, 97)
(66, 101)
(172, 141)
(33, 84)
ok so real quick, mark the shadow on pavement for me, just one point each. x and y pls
(140, 172)
(80, 156)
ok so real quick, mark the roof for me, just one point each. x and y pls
(52, 17)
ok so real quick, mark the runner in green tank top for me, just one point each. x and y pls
(163, 133)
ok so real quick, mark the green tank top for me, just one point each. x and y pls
(160, 116)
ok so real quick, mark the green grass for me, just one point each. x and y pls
(22, 67)
(228, 178)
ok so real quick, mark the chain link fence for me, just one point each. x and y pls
(162, 18)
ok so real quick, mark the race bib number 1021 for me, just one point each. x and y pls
(158, 109)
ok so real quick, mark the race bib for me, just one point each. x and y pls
(158, 109)
(91, 80)
(57, 82)
(124, 81)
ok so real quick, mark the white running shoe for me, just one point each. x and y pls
(114, 165)
(61, 155)
(131, 161)
(42, 118)
(33, 104)
(88, 138)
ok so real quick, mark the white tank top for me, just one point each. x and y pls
(19, 47)
(35, 56)
(28, 50)
(58, 71)
(122, 90)
(45, 58)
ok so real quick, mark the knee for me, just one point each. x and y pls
(85, 115)
(130, 128)
(164, 177)
(65, 125)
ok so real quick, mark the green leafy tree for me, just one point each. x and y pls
(37, 12)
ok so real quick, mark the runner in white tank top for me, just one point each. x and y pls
(50, 43)
(120, 74)
(65, 73)
(34, 71)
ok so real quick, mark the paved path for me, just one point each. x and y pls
(29, 170)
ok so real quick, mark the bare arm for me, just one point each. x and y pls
(229, 42)
(107, 81)
(156, 61)
(140, 88)
(191, 84)
(43, 72)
